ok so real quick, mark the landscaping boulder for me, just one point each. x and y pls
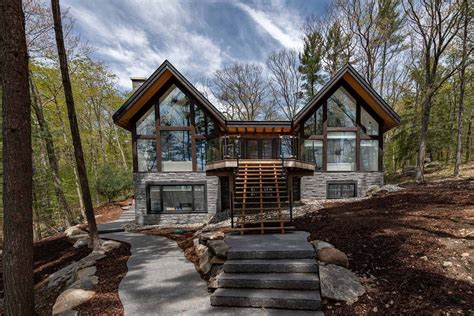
(218, 248)
(333, 256)
(204, 261)
(320, 244)
(81, 243)
(73, 231)
(108, 245)
(75, 238)
(340, 284)
(199, 248)
(373, 189)
(216, 271)
(71, 298)
(205, 237)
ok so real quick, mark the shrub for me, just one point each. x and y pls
(111, 182)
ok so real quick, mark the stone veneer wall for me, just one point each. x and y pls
(141, 179)
(314, 187)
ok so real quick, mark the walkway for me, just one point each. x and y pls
(127, 216)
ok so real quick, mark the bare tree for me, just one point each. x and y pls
(243, 89)
(76, 138)
(17, 163)
(285, 81)
(462, 83)
(436, 23)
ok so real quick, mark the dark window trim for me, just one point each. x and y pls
(161, 184)
(354, 182)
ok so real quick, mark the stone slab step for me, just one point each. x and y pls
(287, 281)
(271, 254)
(288, 299)
(270, 266)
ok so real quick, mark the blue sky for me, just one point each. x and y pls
(198, 37)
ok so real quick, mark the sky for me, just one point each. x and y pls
(198, 37)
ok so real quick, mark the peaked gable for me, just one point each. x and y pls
(362, 88)
(124, 115)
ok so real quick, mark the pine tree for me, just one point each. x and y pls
(337, 51)
(311, 62)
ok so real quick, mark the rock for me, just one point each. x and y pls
(86, 272)
(204, 261)
(75, 238)
(447, 264)
(94, 256)
(465, 254)
(81, 243)
(424, 258)
(125, 208)
(333, 256)
(319, 244)
(71, 298)
(73, 231)
(216, 271)
(218, 248)
(199, 248)
(340, 284)
(372, 190)
(109, 245)
(204, 237)
(217, 260)
(86, 283)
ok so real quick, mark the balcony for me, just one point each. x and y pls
(225, 153)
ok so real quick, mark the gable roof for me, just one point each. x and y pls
(147, 90)
(366, 92)
(166, 71)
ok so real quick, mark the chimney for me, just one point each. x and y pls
(137, 82)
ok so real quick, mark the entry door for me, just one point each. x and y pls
(259, 149)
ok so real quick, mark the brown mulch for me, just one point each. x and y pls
(50, 255)
(397, 242)
(110, 211)
(110, 271)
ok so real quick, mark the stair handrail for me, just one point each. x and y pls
(237, 146)
(285, 171)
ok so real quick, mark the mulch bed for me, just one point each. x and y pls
(110, 271)
(397, 242)
(50, 255)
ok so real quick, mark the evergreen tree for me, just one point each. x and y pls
(311, 62)
(337, 51)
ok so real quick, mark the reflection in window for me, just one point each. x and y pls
(314, 124)
(313, 152)
(201, 154)
(341, 109)
(146, 155)
(369, 124)
(146, 124)
(341, 152)
(176, 151)
(267, 149)
(174, 108)
(369, 155)
(177, 198)
(204, 124)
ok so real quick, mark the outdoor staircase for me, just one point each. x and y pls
(269, 271)
(261, 201)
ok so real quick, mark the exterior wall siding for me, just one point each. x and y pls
(140, 182)
(314, 187)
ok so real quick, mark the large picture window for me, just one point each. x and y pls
(176, 151)
(341, 152)
(146, 155)
(146, 124)
(175, 108)
(182, 198)
(341, 109)
(314, 124)
(313, 152)
(369, 124)
(369, 155)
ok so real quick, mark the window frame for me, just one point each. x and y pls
(164, 184)
(341, 182)
(155, 102)
(360, 103)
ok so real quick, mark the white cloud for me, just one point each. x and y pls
(281, 26)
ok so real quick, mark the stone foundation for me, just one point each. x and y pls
(141, 180)
(314, 187)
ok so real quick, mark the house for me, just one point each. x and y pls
(191, 163)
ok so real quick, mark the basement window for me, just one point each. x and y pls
(341, 190)
(175, 199)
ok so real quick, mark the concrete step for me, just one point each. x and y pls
(270, 266)
(285, 281)
(288, 299)
(241, 253)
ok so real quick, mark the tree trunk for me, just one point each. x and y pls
(425, 120)
(469, 140)
(52, 158)
(457, 162)
(76, 138)
(17, 163)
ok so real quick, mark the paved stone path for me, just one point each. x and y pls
(127, 216)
